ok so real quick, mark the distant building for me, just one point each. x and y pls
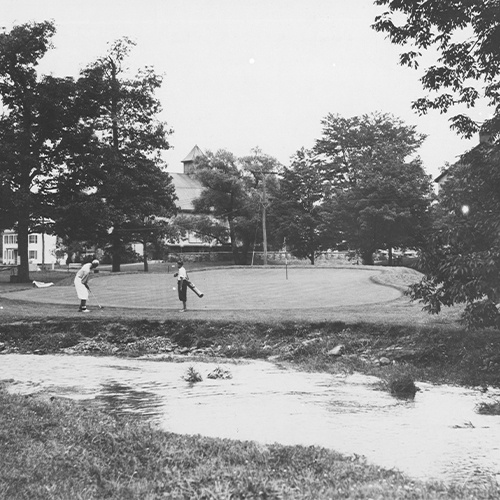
(187, 186)
(442, 178)
(445, 175)
(41, 249)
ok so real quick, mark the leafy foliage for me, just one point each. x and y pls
(227, 197)
(208, 228)
(465, 35)
(462, 260)
(380, 198)
(116, 185)
(349, 145)
(299, 215)
(37, 115)
(86, 154)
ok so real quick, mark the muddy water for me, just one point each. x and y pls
(437, 436)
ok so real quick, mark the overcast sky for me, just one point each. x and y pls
(240, 74)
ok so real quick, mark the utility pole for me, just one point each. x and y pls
(264, 205)
(258, 167)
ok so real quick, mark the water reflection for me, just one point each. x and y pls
(119, 398)
(436, 435)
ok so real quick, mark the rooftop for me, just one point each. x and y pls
(187, 189)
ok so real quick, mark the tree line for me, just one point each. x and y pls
(361, 187)
(82, 157)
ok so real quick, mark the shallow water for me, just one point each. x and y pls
(436, 436)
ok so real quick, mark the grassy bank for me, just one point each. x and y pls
(434, 354)
(61, 450)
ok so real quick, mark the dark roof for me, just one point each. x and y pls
(441, 176)
(187, 189)
(193, 154)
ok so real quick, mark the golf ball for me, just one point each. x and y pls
(173, 288)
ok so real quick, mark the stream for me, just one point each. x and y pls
(438, 435)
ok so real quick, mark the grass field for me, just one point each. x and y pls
(355, 293)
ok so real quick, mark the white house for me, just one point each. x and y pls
(41, 249)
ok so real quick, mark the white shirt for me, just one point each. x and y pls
(84, 272)
(182, 274)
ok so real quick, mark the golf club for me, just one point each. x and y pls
(93, 295)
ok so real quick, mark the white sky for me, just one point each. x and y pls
(240, 74)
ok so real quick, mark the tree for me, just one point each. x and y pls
(7, 213)
(37, 116)
(461, 261)
(263, 168)
(226, 197)
(153, 233)
(380, 195)
(464, 34)
(207, 227)
(387, 208)
(116, 182)
(299, 214)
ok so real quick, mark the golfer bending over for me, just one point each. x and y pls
(81, 284)
(181, 276)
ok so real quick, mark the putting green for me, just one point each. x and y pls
(229, 289)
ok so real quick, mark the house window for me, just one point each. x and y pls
(9, 255)
(32, 255)
(33, 238)
(10, 239)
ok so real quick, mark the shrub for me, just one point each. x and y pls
(192, 375)
(220, 373)
(488, 408)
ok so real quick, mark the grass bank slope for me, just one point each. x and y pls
(434, 354)
(61, 450)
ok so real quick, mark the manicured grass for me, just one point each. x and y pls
(350, 294)
(61, 450)
(231, 289)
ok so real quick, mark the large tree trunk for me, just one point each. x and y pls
(22, 249)
(367, 257)
(234, 246)
(116, 253)
(23, 222)
(312, 244)
(243, 253)
(311, 258)
(145, 255)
